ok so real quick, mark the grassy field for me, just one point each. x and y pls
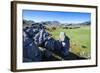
(80, 41)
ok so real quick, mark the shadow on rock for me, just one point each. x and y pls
(71, 56)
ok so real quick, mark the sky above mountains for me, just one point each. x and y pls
(63, 17)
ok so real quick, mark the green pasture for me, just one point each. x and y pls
(80, 39)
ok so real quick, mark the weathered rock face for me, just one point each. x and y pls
(65, 44)
(35, 37)
(30, 50)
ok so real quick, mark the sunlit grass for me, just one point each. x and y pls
(80, 39)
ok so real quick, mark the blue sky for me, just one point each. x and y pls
(63, 17)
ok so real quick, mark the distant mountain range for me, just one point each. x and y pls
(86, 23)
(51, 23)
(26, 22)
